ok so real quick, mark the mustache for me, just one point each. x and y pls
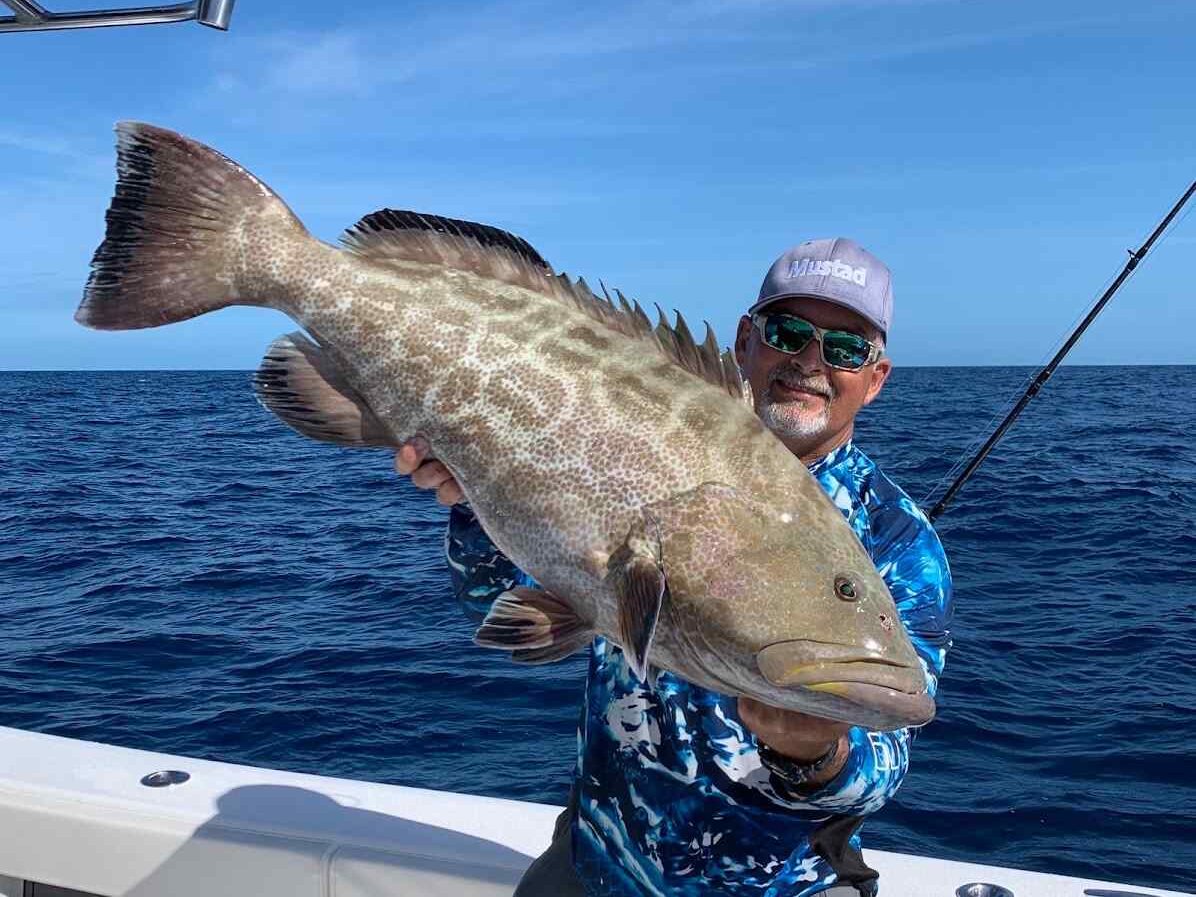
(820, 384)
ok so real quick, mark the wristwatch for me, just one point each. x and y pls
(795, 773)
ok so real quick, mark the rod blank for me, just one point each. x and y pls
(1040, 380)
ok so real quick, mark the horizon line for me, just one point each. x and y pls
(1135, 364)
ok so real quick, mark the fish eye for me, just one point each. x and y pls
(845, 588)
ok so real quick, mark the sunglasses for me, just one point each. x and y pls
(790, 334)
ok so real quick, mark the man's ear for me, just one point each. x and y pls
(742, 335)
(880, 373)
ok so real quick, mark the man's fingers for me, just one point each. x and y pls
(411, 455)
(412, 460)
(449, 493)
(431, 475)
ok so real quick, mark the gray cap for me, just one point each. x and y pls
(839, 271)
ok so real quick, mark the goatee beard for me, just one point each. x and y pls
(787, 418)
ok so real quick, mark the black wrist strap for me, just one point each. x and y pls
(792, 772)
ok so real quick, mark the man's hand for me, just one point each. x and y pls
(796, 735)
(427, 473)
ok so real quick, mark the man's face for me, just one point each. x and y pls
(809, 404)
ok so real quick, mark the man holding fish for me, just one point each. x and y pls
(766, 614)
(682, 791)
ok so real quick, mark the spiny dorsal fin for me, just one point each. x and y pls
(399, 237)
(674, 340)
(301, 385)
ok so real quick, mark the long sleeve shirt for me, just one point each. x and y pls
(673, 799)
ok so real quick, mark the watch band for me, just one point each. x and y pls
(794, 772)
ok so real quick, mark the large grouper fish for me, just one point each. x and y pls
(616, 461)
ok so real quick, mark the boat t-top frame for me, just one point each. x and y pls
(29, 16)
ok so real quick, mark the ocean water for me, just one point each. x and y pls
(179, 572)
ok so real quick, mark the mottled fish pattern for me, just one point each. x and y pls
(673, 800)
(614, 460)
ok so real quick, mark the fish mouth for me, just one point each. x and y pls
(880, 685)
(891, 709)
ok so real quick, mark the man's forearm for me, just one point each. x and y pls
(480, 572)
(870, 768)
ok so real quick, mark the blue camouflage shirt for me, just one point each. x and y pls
(672, 797)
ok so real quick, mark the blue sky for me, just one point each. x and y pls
(1000, 156)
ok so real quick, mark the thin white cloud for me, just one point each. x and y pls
(69, 157)
(497, 47)
(335, 62)
(50, 146)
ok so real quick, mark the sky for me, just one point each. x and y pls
(999, 157)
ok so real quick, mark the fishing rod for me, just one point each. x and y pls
(1045, 374)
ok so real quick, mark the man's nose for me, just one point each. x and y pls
(809, 359)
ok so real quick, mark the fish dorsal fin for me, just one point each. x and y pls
(301, 385)
(398, 237)
(704, 359)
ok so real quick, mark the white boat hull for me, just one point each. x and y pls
(73, 814)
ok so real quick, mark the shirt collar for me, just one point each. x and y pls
(836, 457)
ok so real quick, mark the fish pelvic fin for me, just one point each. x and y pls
(535, 625)
(182, 218)
(299, 383)
(641, 587)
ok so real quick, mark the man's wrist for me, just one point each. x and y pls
(805, 752)
(805, 773)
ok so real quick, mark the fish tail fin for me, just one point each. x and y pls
(180, 213)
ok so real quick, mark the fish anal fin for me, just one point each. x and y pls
(641, 588)
(537, 626)
(558, 650)
(300, 384)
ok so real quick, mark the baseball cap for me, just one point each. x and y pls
(838, 270)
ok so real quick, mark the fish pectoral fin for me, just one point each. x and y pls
(535, 625)
(301, 385)
(641, 587)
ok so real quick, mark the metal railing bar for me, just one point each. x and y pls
(29, 16)
(25, 10)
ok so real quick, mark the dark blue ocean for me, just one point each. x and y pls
(179, 572)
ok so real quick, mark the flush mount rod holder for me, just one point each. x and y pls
(29, 16)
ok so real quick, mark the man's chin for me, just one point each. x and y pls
(787, 420)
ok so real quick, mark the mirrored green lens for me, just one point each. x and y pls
(844, 350)
(787, 334)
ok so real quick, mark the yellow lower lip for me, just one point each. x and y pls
(834, 688)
